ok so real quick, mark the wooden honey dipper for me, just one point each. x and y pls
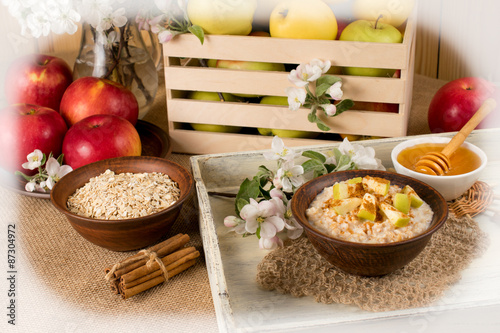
(438, 163)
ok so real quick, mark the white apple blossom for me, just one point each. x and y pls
(363, 157)
(235, 223)
(165, 36)
(304, 73)
(279, 151)
(55, 171)
(323, 65)
(262, 215)
(296, 97)
(291, 176)
(270, 243)
(330, 109)
(31, 186)
(335, 91)
(115, 18)
(34, 160)
(292, 228)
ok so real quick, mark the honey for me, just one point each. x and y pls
(462, 161)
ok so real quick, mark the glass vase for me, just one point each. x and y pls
(120, 55)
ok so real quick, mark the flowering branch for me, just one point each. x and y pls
(316, 91)
(47, 176)
(167, 20)
(262, 205)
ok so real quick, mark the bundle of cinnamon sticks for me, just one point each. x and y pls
(151, 266)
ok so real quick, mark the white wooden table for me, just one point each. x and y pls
(241, 306)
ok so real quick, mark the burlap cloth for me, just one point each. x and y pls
(299, 270)
(59, 267)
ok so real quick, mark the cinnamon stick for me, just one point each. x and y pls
(168, 246)
(171, 262)
(126, 293)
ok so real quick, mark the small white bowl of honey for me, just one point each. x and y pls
(467, 163)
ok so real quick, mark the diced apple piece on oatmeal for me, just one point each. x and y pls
(376, 185)
(344, 206)
(368, 208)
(396, 217)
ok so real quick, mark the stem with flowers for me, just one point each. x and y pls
(50, 171)
(318, 91)
(262, 204)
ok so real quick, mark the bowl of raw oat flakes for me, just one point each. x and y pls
(123, 203)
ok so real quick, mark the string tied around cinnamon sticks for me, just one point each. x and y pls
(150, 267)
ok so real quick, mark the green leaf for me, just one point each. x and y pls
(257, 233)
(198, 32)
(240, 203)
(314, 155)
(248, 189)
(321, 89)
(344, 105)
(329, 80)
(315, 166)
(312, 117)
(321, 125)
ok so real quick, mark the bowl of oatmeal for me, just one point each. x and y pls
(368, 222)
(123, 203)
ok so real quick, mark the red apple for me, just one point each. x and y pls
(100, 137)
(91, 95)
(26, 127)
(457, 101)
(37, 79)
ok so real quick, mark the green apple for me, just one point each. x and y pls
(213, 96)
(370, 31)
(368, 208)
(251, 66)
(401, 202)
(222, 17)
(344, 206)
(312, 19)
(396, 217)
(265, 131)
(376, 185)
(283, 133)
(416, 201)
(393, 12)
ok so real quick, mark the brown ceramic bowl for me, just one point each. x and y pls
(367, 259)
(128, 234)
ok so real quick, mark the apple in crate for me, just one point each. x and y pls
(312, 19)
(370, 31)
(222, 17)
(37, 79)
(393, 12)
(282, 133)
(458, 100)
(26, 127)
(91, 95)
(100, 137)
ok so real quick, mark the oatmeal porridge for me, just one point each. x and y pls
(369, 210)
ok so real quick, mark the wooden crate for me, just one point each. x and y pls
(181, 79)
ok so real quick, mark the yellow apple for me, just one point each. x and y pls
(213, 96)
(312, 19)
(222, 17)
(283, 133)
(394, 12)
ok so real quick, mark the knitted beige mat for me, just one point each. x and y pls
(297, 269)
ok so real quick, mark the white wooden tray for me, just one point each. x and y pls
(241, 306)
